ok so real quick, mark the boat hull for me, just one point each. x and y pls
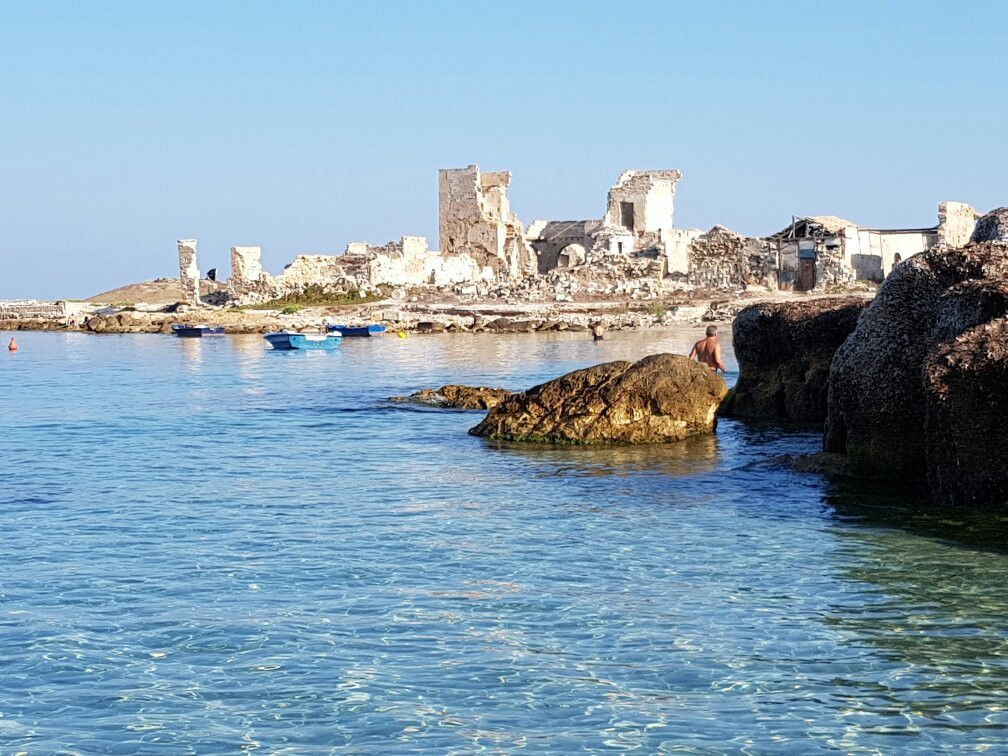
(187, 331)
(374, 329)
(304, 341)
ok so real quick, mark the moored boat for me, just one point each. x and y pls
(369, 330)
(294, 340)
(196, 331)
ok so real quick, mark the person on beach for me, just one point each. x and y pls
(708, 351)
(598, 332)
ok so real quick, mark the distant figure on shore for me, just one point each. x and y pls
(12, 347)
(708, 350)
(598, 331)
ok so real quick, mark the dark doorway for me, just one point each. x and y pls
(806, 274)
(626, 214)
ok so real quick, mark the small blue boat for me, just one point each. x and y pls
(344, 330)
(196, 331)
(292, 340)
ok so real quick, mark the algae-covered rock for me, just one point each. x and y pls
(784, 351)
(664, 397)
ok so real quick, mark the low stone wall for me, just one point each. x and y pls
(31, 309)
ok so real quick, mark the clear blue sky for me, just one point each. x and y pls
(300, 126)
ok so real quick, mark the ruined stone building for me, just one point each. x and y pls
(639, 217)
(633, 250)
(475, 221)
(819, 251)
(362, 267)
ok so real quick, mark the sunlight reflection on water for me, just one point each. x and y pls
(212, 546)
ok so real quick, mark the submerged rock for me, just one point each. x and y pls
(784, 351)
(664, 397)
(918, 388)
(457, 397)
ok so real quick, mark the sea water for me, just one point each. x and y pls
(208, 546)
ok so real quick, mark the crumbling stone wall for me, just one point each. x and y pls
(246, 263)
(249, 284)
(362, 267)
(551, 238)
(475, 219)
(678, 244)
(614, 241)
(635, 276)
(833, 269)
(402, 263)
(32, 309)
(956, 222)
(346, 272)
(724, 259)
(248, 281)
(643, 202)
(409, 262)
(189, 275)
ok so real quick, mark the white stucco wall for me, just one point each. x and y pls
(905, 245)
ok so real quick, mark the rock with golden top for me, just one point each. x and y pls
(661, 398)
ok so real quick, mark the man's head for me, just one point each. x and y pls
(711, 330)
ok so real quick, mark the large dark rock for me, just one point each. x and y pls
(784, 351)
(889, 410)
(664, 397)
(966, 385)
(992, 227)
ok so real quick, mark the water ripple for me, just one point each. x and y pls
(209, 547)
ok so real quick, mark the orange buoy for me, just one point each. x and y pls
(12, 347)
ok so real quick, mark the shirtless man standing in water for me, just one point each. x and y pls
(708, 351)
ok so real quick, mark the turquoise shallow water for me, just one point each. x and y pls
(211, 547)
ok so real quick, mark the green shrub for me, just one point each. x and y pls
(657, 309)
(318, 296)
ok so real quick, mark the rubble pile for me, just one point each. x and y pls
(726, 260)
(833, 270)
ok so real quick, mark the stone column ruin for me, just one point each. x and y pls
(189, 275)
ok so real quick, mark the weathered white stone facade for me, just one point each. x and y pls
(634, 250)
(956, 222)
(678, 248)
(189, 274)
(475, 219)
(361, 268)
(643, 202)
(639, 217)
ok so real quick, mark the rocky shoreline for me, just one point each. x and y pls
(413, 317)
